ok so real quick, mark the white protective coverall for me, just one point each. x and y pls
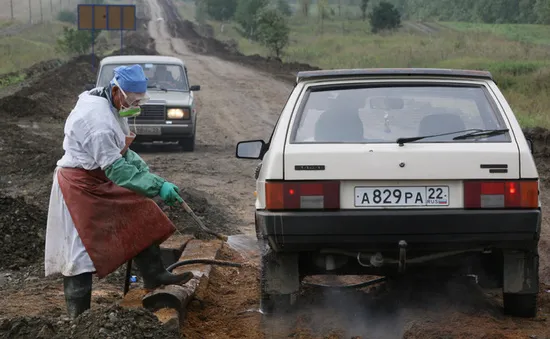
(92, 116)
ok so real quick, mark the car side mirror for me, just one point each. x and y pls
(253, 149)
(195, 88)
(531, 145)
(89, 87)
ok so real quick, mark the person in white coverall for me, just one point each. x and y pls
(101, 213)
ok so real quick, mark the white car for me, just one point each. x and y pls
(387, 171)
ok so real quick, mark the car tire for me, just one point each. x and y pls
(272, 303)
(520, 305)
(188, 144)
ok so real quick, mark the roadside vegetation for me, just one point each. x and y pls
(57, 39)
(514, 45)
(32, 45)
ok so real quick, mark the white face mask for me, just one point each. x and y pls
(134, 110)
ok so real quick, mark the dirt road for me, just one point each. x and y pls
(235, 103)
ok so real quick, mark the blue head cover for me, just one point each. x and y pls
(131, 78)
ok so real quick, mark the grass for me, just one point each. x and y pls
(538, 34)
(29, 47)
(516, 54)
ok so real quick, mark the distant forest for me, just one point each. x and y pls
(486, 11)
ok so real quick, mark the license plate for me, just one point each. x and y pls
(402, 196)
(147, 130)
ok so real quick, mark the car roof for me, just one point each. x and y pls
(336, 74)
(139, 59)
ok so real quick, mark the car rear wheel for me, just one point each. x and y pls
(272, 302)
(187, 144)
(520, 305)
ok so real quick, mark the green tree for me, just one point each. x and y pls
(273, 30)
(284, 7)
(67, 16)
(74, 41)
(221, 9)
(364, 4)
(384, 16)
(201, 10)
(246, 16)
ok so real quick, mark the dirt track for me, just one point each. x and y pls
(235, 103)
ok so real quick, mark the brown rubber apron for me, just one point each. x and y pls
(113, 222)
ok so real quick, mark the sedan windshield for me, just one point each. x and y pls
(386, 114)
(162, 77)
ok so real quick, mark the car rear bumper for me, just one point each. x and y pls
(162, 131)
(380, 230)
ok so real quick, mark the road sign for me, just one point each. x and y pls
(107, 18)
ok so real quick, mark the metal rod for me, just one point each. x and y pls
(30, 12)
(11, 7)
(51, 8)
(41, 13)
(127, 276)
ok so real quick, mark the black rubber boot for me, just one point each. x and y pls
(78, 293)
(149, 263)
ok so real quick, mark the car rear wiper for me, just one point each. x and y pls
(401, 141)
(482, 133)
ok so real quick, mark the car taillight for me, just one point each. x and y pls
(501, 194)
(288, 195)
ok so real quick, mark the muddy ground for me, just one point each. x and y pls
(240, 98)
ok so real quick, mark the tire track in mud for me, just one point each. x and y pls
(235, 103)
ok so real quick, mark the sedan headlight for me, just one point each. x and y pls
(177, 113)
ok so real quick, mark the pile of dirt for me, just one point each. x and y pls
(34, 70)
(27, 151)
(22, 230)
(101, 322)
(188, 31)
(216, 218)
(137, 44)
(52, 95)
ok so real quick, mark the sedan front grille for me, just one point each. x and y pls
(152, 112)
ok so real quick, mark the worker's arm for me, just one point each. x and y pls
(103, 149)
(127, 175)
(134, 159)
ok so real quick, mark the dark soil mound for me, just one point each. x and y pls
(216, 218)
(26, 151)
(20, 106)
(102, 322)
(31, 327)
(22, 231)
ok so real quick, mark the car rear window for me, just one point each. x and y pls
(384, 114)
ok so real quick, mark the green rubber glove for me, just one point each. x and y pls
(126, 175)
(170, 193)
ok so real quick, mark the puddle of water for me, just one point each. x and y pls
(246, 245)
